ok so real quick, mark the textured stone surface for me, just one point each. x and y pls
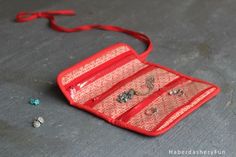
(196, 37)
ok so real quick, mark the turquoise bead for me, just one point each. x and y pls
(34, 101)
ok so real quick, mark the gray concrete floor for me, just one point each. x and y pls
(196, 37)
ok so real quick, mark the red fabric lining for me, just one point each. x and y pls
(104, 69)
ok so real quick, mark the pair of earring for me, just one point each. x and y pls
(178, 92)
(37, 122)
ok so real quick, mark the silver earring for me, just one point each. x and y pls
(128, 95)
(178, 92)
(150, 111)
(37, 122)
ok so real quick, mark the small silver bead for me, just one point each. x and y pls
(40, 119)
(36, 124)
(176, 91)
(171, 92)
(181, 92)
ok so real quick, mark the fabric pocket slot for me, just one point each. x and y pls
(165, 104)
(105, 79)
(99, 71)
(112, 108)
(136, 109)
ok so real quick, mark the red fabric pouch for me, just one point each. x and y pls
(119, 85)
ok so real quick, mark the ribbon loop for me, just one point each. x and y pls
(27, 16)
(24, 16)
